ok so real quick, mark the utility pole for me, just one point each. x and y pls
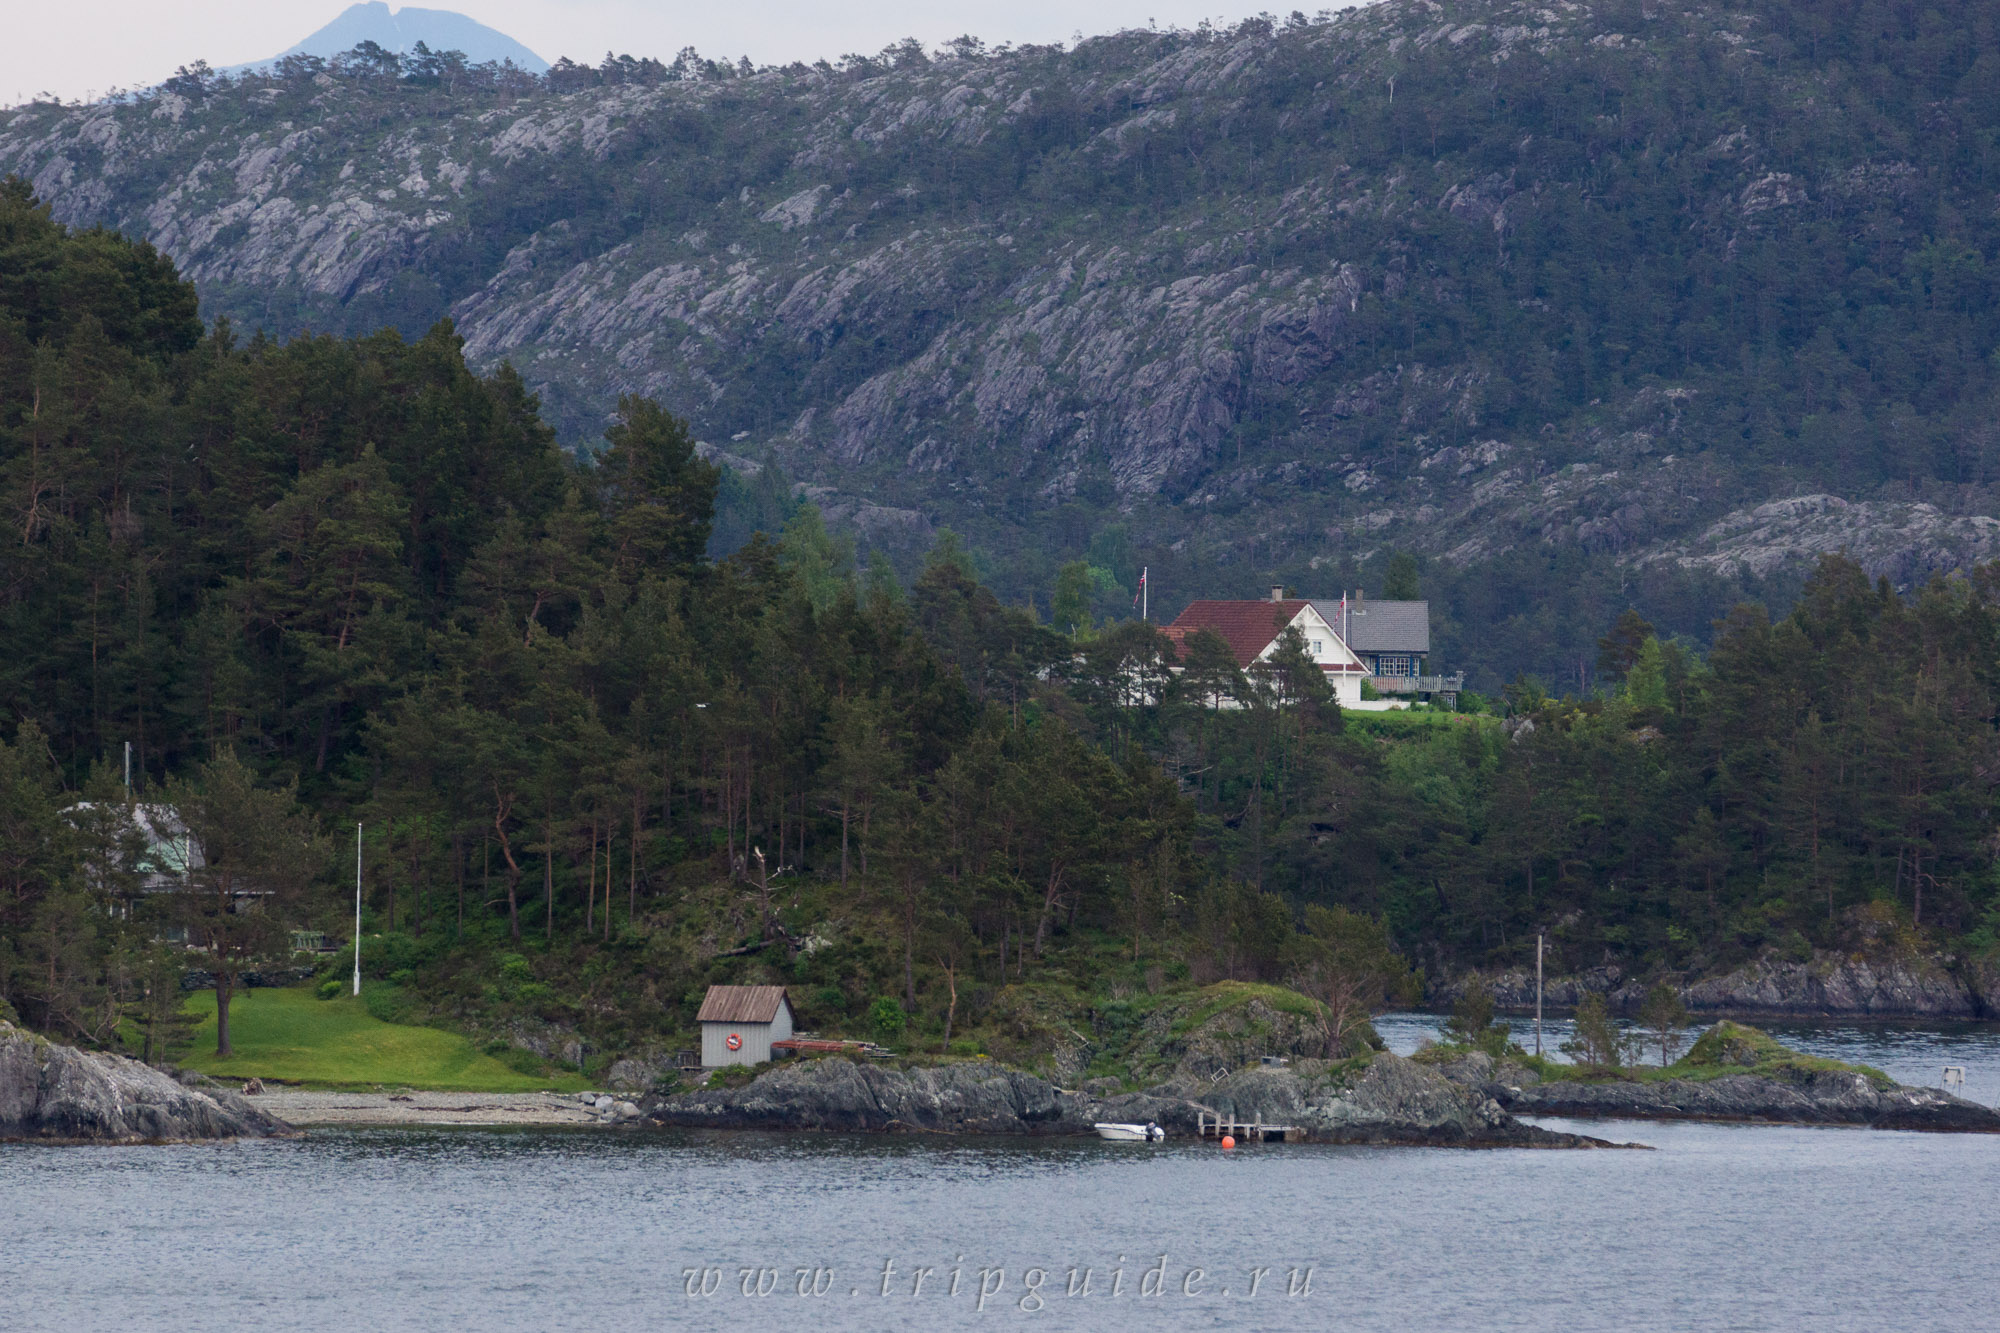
(357, 912)
(1538, 995)
(128, 770)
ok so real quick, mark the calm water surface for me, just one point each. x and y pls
(1732, 1227)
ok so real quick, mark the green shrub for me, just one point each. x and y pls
(329, 988)
(1597, 1042)
(1471, 1021)
(886, 1016)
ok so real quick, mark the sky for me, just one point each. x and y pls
(80, 49)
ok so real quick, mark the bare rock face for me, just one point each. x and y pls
(52, 1093)
(1837, 984)
(1905, 542)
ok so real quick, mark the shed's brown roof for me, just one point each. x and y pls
(741, 1004)
(1247, 627)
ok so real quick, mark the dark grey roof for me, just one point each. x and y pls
(1381, 627)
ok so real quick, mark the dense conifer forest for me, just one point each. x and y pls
(340, 580)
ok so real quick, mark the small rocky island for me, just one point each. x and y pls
(1732, 1073)
(1377, 1098)
(1444, 1097)
(51, 1093)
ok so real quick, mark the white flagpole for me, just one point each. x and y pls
(1145, 595)
(357, 907)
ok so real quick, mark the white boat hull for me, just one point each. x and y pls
(1118, 1133)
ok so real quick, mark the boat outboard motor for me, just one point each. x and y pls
(1154, 1132)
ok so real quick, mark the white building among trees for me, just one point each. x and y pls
(739, 1023)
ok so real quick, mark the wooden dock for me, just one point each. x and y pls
(1251, 1131)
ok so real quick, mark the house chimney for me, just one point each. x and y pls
(1358, 595)
(1277, 592)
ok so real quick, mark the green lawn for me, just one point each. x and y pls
(294, 1036)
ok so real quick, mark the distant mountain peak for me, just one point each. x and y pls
(400, 30)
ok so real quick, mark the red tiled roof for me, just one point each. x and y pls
(1247, 627)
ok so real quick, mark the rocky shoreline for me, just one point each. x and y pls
(51, 1093)
(1745, 1077)
(1385, 1100)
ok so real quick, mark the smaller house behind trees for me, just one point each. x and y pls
(1393, 640)
(739, 1023)
(147, 849)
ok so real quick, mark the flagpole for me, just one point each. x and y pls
(357, 907)
(1145, 595)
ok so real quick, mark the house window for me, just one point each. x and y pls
(1393, 664)
(1317, 647)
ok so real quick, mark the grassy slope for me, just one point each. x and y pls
(294, 1036)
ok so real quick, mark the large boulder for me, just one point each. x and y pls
(53, 1093)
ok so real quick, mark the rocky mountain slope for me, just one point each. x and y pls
(1675, 294)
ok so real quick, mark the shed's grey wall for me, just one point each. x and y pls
(757, 1039)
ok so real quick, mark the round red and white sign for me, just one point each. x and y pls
(735, 1043)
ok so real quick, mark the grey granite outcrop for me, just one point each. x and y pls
(52, 1093)
(1798, 1096)
(1386, 1100)
(1836, 984)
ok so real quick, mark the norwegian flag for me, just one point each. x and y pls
(1142, 588)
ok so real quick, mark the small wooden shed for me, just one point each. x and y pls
(739, 1023)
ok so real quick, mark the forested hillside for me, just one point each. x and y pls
(335, 580)
(1638, 301)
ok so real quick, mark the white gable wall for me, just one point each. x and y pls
(1343, 669)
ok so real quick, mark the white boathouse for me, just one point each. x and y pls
(739, 1023)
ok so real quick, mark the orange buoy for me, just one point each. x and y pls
(1228, 1141)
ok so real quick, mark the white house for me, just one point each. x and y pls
(1251, 630)
(739, 1023)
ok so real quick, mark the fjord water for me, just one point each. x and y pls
(1723, 1226)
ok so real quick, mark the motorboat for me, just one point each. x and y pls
(1127, 1133)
